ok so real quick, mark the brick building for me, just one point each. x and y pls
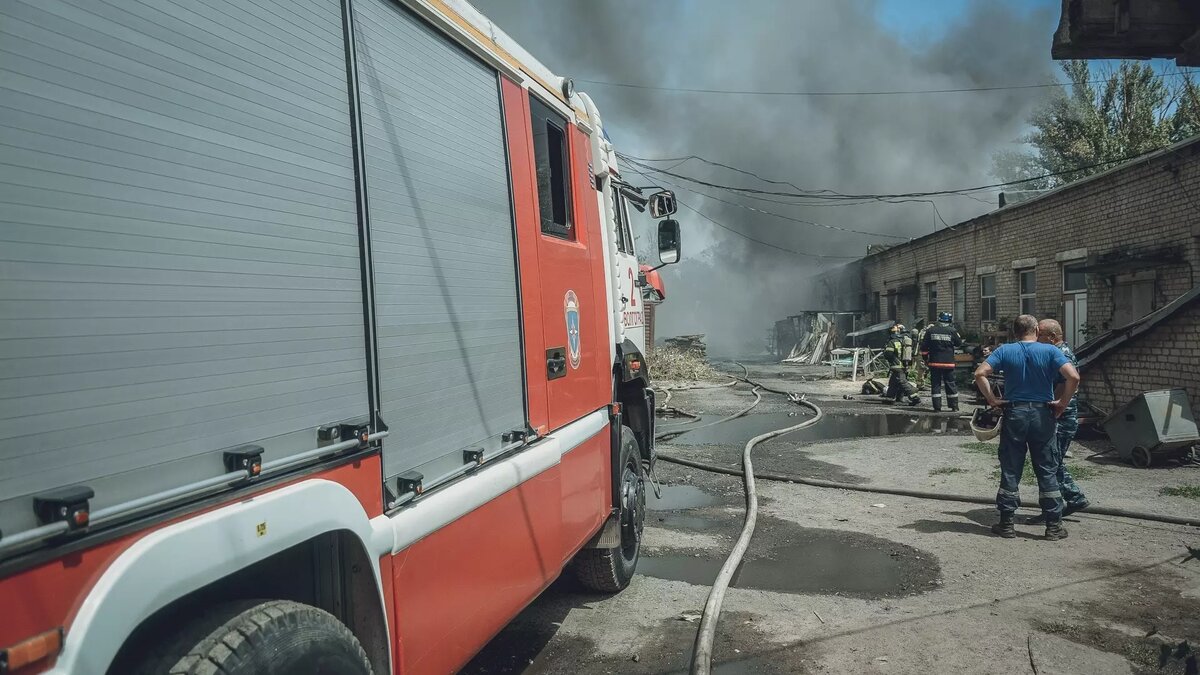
(1099, 255)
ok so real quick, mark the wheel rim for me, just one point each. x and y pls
(1141, 457)
(633, 507)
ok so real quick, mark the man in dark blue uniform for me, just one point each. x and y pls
(938, 347)
(1051, 333)
(1030, 410)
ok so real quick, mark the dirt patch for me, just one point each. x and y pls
(1140, 615)
(832, 427)
(787, 558)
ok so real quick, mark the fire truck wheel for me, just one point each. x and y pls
(270, 637)
(611, 570)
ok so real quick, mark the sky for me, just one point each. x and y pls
(728, 286)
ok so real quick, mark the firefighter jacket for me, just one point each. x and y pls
(939, 344)
(893, 352)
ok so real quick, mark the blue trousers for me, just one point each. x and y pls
(1029, 429)
(1068, 424)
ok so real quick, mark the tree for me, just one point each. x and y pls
(1095, 121)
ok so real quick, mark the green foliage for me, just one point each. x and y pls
(946, 470)
(1123, 112)
(981, 448)
(1186, 491)
(1084, 471)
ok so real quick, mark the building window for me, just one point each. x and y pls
(553, 169)
(1074, 279)
(1027, 290)
(958, 300)
(875, 308)
(987, 297)
(891, 310)
(931, 308)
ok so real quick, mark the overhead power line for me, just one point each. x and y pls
(778, 215)
(815, 256)
(883, 92)
(833, 195)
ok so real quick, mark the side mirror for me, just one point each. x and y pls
(663, 204)
(668, 241)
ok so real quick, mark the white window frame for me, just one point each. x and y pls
(1022, 295)
(983, 304)
(958, 301)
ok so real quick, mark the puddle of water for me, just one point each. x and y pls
(831, 427)
(824, 562)
(685, 522)
(676, 497)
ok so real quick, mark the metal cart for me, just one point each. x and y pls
(1155, 424)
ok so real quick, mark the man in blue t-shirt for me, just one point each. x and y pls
(1030, 408)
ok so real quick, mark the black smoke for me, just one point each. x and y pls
(733, 289)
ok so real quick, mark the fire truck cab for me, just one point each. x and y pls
(321, 345)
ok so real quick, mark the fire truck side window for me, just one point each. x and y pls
(553, 169)
(624, 237)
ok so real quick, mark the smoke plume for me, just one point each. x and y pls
(733, 289)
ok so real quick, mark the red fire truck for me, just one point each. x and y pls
(319, 350)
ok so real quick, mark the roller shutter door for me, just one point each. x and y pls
(442, 240)
(178, 241)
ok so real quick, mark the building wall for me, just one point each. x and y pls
(1149, 204)
(1144, 205)
(1165, 358)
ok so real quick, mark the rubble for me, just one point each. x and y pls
(680, 364)
(815, 345)
(689, 344)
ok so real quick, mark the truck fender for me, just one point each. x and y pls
(169, 563)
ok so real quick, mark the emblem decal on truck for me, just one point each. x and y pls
(571, 308)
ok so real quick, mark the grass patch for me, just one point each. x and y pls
(1188, 491)
(1084, 471)
(981, 448)
(946, 470)
(1027, 477)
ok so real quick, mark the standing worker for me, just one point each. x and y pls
(894, 353)
(1030, 369)
(1050, 332)
(937, 348)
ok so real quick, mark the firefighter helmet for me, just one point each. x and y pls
(898, 328)
(945, 317)
(985, 423)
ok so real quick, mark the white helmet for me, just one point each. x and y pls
(985, 424)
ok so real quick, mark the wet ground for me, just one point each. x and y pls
(841, 582)
(852, 425)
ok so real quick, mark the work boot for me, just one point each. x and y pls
(937, 405)
(1068, 509)
(1005, 528)
(1055, 531)
(953, 407)
(914, 400)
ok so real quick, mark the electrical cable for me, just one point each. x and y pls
(743, 235)
(830, 194)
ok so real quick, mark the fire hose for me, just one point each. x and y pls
(706, 632)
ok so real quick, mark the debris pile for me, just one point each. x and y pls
(688, 344)
(817, 339)
(677, 363)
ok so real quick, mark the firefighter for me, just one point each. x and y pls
(893, 353)
(937, 348)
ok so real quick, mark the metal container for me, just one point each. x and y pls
(1153, 424)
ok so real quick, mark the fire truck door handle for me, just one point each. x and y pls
(556, 363)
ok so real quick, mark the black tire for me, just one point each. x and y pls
(261, 637)
(610, 570)
(1141, 457)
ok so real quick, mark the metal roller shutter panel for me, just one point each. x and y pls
(447, 313)
(178, 241)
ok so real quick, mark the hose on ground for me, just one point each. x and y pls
(707, 630)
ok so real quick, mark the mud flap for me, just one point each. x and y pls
(609, 535)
